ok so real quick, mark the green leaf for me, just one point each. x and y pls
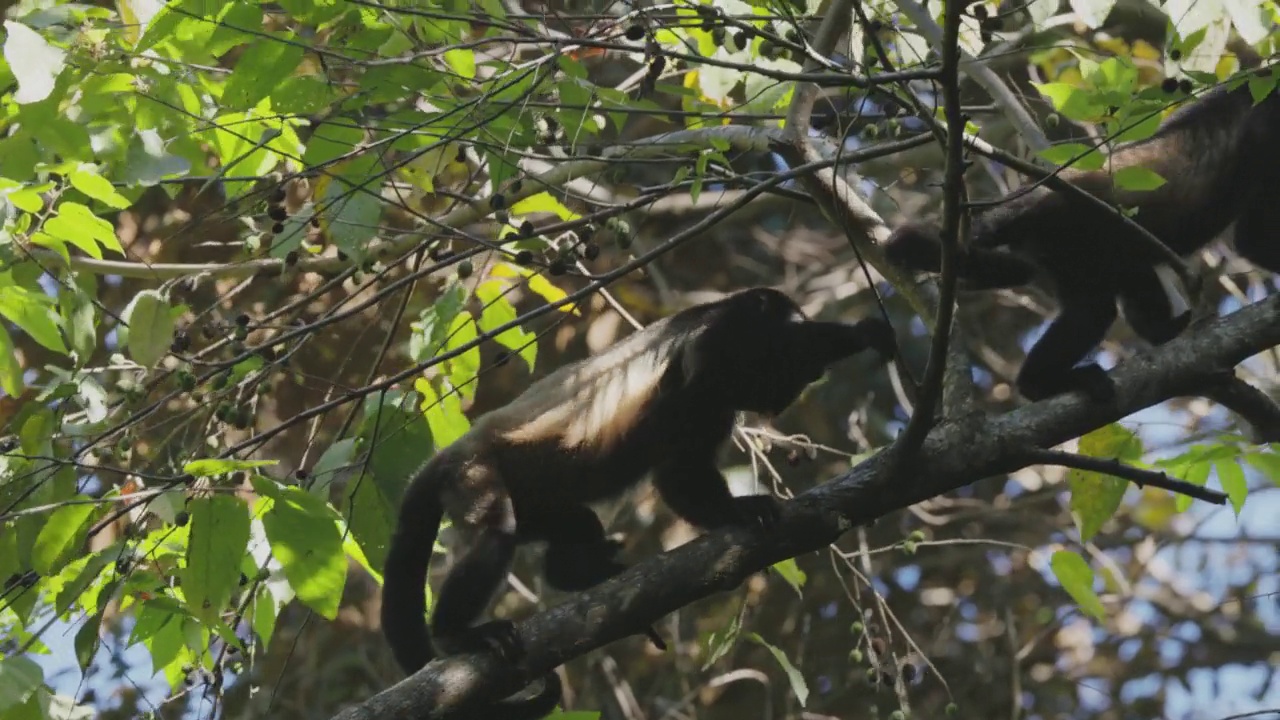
(1079, 155)
(219, 535)
(87, 180)
(150, 327)
(306, 541)
(1071, 101)
(1095, 497)
(791, 572)
(77, 225)
(1231, 477)
(544, 202)
(1137, 178)
(79, 317)
(86, 640)
(720, 642)
(60, 537)
(1266, 462)
(1076, 578)
(444, 414)
(1196, 473)
(10, 370)
(462, 61)
(31, 311)
(497, 311)
(260, 69)
(209, 467)
(34, 63)
(798, 685)
(464, 369)
(20, 676)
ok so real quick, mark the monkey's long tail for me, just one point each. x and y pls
(404, 601)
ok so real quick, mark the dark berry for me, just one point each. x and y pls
(181, 342)
(1185, 86)
(182, 518)
(291, 258)
(498, 201)
(524, 257)
(635, 32)
(979, 11)
(277, 195)
(242, 319)
(590, 251)
(1175, 54)
(527, 229)
(558, 267)
(277, 213)
(1169, 85)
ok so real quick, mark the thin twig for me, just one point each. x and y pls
(952, 203)
(1115, 468)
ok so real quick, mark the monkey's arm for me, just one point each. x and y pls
(918, 248)
(692, 486)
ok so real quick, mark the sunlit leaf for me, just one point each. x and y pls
(306, 541)
(151, 327)
(35, 63)
(798, 685)
(219, 534)
(1076, 578)
(60, 536)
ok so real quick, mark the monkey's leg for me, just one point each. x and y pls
(579, 555)
(692, 486)
(1050, 369)
(467, 592)
(1149, 308)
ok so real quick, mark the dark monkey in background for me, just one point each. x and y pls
(1220, 158)
(660, 402)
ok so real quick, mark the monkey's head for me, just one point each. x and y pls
(757, 351)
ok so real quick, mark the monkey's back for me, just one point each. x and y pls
(1216, 155)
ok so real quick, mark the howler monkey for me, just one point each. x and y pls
(1220, 159)
(659, 402)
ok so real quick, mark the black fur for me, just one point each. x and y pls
(1220, 158)
(660, 402)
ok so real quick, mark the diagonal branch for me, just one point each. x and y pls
(955, 453)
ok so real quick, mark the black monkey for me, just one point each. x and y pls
(661, 401)
(1220, 158)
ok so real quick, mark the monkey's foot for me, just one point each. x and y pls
(1089, 379)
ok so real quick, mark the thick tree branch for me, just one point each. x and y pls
(957, 452)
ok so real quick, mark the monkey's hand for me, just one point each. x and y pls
(762, 510)
(915, 247)
(878, 335)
